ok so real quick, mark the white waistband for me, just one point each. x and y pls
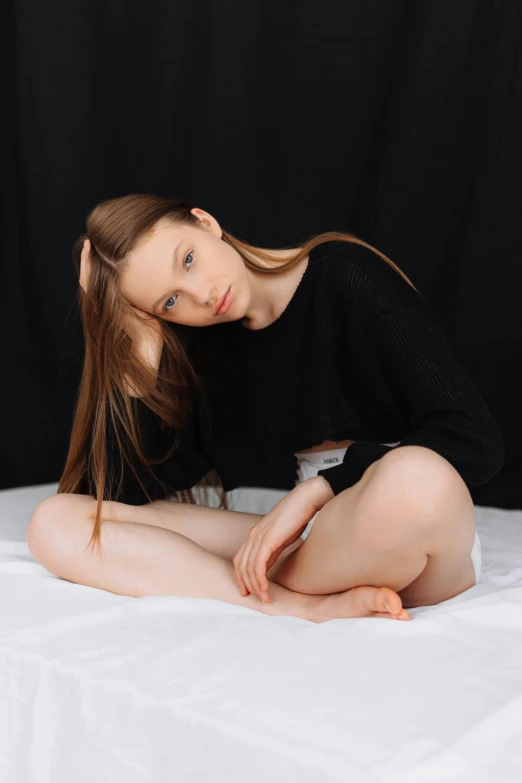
(319, 457)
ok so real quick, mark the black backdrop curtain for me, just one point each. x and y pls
(397, 120)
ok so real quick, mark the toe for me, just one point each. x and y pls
(387, 600)
(402, 616)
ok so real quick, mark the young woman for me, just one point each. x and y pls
(206, 359)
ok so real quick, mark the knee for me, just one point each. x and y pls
(418, 476)
(407, 493)
(49, 518)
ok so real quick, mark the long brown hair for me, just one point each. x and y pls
(114, 228)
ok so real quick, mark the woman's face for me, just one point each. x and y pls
(178, 273)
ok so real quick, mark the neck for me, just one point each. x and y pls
(270, 294)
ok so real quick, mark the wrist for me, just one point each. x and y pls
(149, 351)
(320, 491)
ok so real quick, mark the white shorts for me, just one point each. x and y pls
(310, 464)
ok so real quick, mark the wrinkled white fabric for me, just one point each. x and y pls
(100, 687)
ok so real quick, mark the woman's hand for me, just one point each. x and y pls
(145, 333)
(275, 531)
(85, 264)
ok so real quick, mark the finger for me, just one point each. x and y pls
(235, 562)
(258, 559)
(85, 250)
(84, 264)
(241, 568)
(246, 569)
(82, 274)
(251, 567)
(258, 573)
(237, 568)
(261, 573)
(263, 579)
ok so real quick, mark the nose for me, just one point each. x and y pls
(201, 294)
(210, 300)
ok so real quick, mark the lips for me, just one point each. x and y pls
(220, 301)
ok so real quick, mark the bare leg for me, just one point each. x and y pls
(143, 560)
(408, 524)
(217, 530)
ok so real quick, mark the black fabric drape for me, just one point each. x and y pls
(399, 121)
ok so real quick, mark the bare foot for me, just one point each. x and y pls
(365, 601)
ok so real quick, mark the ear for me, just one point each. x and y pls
(208, 222)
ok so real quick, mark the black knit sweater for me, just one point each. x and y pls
(356, 355)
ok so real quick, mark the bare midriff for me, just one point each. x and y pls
(328, 444)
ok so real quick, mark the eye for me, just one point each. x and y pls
(168, 309)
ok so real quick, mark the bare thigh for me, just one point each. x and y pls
(217, 530)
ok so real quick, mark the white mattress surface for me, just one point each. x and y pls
(100, 687)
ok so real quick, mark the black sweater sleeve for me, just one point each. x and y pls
(187, 465)
(408, 368)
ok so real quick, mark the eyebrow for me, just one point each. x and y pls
(174, 259)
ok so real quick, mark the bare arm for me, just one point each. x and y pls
(147, 338)
(149, 351)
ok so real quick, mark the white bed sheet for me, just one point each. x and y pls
(100, 687)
